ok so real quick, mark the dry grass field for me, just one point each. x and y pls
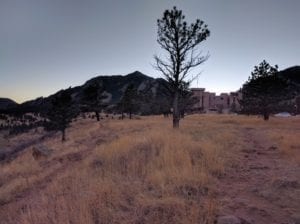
(142, 171)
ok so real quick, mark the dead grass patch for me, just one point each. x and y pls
(133, 171)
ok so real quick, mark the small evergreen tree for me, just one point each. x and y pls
(129, 102)
(92, 99)
(186, 99)
(62, 111)
(263, 91)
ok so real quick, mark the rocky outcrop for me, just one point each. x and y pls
(41, 151)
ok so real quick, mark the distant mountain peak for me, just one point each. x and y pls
(137, 73)
(6, 103)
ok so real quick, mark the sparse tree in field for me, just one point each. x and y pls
(129, 102)
(92, 99)
(62, 111)
(180, 41)
(263, 91)
(186, 99)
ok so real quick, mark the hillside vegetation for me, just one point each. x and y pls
(143, 171)
(152, 92)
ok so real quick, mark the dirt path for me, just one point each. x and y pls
(61, 163)
(11, 154)
(261, 187)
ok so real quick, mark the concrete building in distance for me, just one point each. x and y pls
(208, 102)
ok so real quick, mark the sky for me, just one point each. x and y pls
(48, 45)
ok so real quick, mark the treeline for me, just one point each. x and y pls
(16, 123)
(64, 107)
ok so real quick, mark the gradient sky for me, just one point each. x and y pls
(47, 45)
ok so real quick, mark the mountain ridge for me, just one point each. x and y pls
(114, 86)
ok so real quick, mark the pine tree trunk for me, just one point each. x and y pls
(182, 114)
(176, 116)
(130, 115)
(63, 136)
(266, 116)
(97, 115)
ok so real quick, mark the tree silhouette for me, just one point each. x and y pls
(92, 99)
(263, 91)
(62, 111)
(129, 101)
(180, 41)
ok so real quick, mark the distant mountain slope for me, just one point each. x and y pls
(114, 86)
(292, 74)
(6, 103)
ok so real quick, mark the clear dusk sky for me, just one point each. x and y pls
(48, 45)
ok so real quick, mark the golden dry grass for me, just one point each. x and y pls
(133, 171)
(287, 139)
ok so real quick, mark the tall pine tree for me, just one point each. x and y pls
(180, 41)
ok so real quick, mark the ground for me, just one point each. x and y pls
(143, 171)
